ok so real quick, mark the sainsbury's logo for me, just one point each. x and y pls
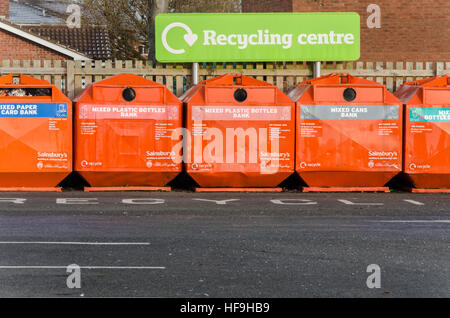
(392, 154)
(52, 155)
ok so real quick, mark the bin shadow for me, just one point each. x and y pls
(183, 182)
(400, 182)
(74, 182)
(294, 182)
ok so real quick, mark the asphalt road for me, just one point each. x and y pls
(184, 244)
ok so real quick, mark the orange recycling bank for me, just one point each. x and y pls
(349, 132)
(126, 133)
(240, 133)
(427, 132)
(35, 133)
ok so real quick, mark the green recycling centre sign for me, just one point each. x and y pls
(257, 37)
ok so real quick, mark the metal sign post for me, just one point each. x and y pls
(316, 69)
(195, 73)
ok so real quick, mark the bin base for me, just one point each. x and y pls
(432, 181)
(31, 189)
(347, 179)
(238, 179)
(128, 179)
(418, 190)
(238, 189)
(105, 189)
(345, 189)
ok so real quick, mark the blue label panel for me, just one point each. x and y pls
(429, 115)
(33, 110)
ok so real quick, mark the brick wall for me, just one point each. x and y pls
(266, 6)
(410, 30)
(17, 48)
(4, 8)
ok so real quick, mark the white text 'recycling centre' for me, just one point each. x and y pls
(264, 37)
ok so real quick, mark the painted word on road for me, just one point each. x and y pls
(157, 201)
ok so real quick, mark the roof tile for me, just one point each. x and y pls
(93, 41)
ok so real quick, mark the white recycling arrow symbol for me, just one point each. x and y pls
(190, 37)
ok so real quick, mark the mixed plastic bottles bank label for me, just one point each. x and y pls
(155, 112)
(430, 115)
(256, 113)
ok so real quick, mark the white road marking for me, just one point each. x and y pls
(76, 201)
(83, 267)
(415, 221)
(220, 202)
(293, 202)
(77, 243)
(348, 202)
(414, 202)
(143, 201)
(14, 200)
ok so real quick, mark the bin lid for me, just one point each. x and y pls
(434, 90)
(15, 85)
(121, 82)
(272, 94)
(340, 79)
(125, 80)
(233, 79)
(341, 88)
(436, 81)
(17, 80)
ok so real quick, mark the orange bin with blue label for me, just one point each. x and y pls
(35, 134)
(240, 134)
(124, 128)
(427, 133)
(349, 134)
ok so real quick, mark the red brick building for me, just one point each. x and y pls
(4, 9)
(18, 43)
(408, 30)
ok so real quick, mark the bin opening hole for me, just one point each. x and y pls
(16, 80)
(344, 79)
(237, 80)
(349, 94)
(25, 92)
(129, 94)
(240, 95)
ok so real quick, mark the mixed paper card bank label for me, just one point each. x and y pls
(33, 110)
